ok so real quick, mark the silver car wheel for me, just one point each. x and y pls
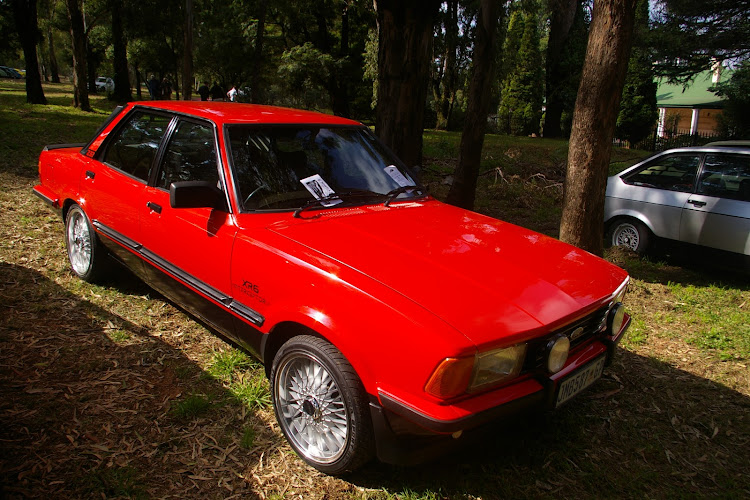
(311, 408)
(626, 235)
(79, 242)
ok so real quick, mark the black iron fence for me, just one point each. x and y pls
(675, 138)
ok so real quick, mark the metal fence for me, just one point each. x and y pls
(676, 138)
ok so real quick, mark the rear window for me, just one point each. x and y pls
(726, 176)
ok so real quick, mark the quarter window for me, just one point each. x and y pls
(726, 176)
(190, 155)
(674, 173)
(134, 148)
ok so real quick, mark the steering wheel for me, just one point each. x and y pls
(262, 187)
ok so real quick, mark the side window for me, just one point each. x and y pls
(726, 176)
(134, 148)
(190, 156)
(674, 173)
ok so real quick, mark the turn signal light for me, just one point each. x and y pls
(450, 378)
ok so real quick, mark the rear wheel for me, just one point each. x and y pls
(85, 253)
(629, 233)
(321, 405)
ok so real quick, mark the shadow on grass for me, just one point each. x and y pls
(645, 430)
(93, 405)
(681, 265)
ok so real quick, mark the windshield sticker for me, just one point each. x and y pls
(320, 190)
(397, 176)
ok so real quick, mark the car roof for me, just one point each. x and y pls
(730, 144)
(223, 112)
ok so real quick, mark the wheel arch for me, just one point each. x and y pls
(628, 215)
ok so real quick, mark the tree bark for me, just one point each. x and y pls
(80, 92)
(445, 85)
(187, 56)
(463, 189)
(24, 13)
(594, 119)
(404, 59)
(53, 67)
(561, 19)
(121, 78)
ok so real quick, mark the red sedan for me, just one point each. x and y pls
(390, 324)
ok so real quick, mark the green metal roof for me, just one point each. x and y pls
(696, 95)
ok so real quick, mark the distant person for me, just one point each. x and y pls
(166, 89)
(153, 88)
(203, 91)
(232, 94)
(217, 93)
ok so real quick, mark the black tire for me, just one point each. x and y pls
(86, 255)
(629, 233)
(325, 418)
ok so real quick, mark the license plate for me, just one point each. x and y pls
(580, 380)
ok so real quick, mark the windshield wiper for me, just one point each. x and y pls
(335, 197)
(393, 194)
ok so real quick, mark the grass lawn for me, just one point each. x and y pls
(111, 391)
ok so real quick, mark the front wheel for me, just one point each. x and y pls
(85, 253)
(630, 234)
(321, 405)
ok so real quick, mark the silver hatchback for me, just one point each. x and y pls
(697, 195)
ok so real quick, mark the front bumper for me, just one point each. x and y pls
(406, 436)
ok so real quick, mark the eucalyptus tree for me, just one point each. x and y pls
(604, 69)
(405, 36)
(25, 15)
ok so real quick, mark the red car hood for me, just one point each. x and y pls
(487, 278)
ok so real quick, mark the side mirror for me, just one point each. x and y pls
(196, 194)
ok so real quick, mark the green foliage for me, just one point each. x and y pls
(638, 111)
(303, 72)
(192, 406)
(247, 441)
(735, 120)
(690, 34)
(523, 85)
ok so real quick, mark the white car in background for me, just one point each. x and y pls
(104, 84)
(698, 196)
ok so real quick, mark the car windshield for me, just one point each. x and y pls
(290, 166)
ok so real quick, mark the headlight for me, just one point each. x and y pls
(557, 353)
(615, 319)
(496, 366)
(456, 376)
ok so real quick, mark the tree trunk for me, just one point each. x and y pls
(24, 13)
(561, 19)
(256, 78)
(80, 92)
(122, 91)
(187, 56)
(598, 101)
(404, 59)
(53, 67)
(445, 88)
(338, 80)
(464, 185)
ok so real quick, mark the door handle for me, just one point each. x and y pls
(90, 174)
(697, 203)
(153, 206)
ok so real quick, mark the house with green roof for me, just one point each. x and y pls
(691, 109)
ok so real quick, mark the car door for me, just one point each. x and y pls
(189, 248)
(658, 191)
(718, 214)
(114, 181)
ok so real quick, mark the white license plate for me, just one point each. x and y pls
(581, 380)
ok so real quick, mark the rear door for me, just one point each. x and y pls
(718, 214)
(115, 179)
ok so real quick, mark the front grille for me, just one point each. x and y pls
(590, 326)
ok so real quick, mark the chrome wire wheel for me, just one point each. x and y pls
(80, 251)
(626, 235)
(311, 408)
